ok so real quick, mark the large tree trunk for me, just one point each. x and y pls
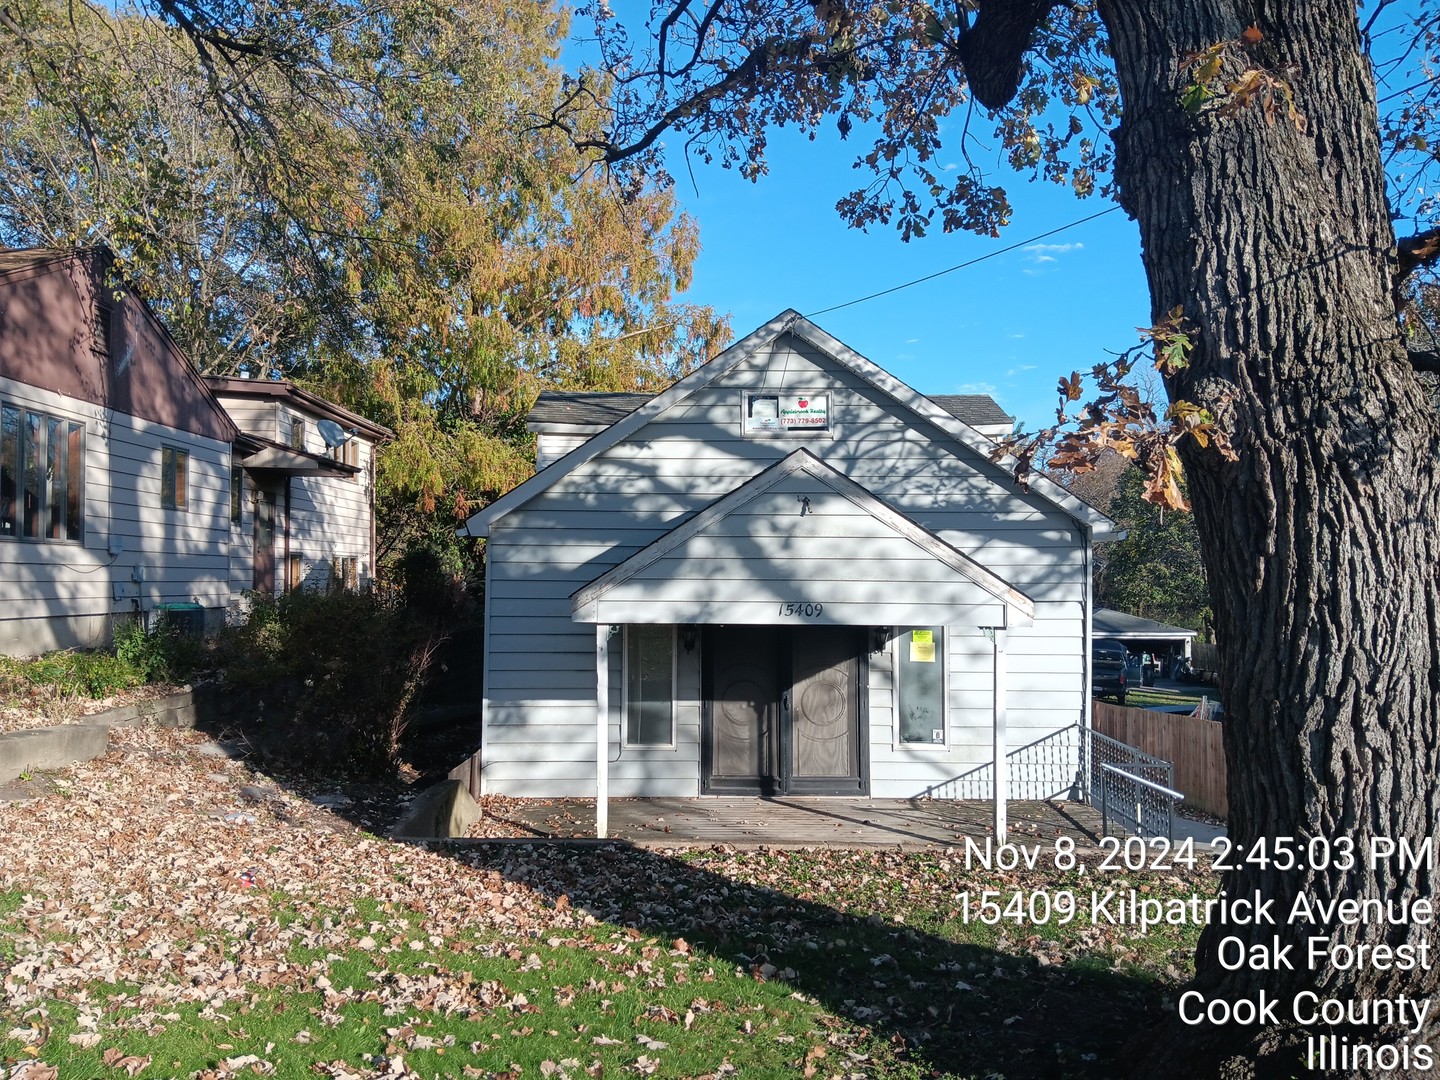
(1321, 542)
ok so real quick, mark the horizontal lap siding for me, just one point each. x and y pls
(56, 594)
(541, 741)
(329, 520)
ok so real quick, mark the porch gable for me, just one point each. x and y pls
(801, 544)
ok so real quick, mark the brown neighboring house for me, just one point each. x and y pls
(125, 486)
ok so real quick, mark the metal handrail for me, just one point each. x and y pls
(1139, 781)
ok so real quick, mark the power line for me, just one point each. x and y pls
(963, 265)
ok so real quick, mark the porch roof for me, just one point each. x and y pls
(801, 544)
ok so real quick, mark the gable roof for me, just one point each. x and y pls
(18, 266)
(594, 412)
(960, 580)
(1108, 623)
(283, 389)
(14, 260)
(788, 321)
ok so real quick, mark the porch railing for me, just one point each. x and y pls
(1130, 787)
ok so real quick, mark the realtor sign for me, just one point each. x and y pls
(785, 413)
(808, 411)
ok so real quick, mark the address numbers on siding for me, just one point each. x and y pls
(801, 610)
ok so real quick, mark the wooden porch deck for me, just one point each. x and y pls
(794, 822)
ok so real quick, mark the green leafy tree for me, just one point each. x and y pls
(358, 198)
(1245, 139)
(1156, 572)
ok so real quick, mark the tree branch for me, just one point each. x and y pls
(992, 49)
(1422, 249)
(755, 63)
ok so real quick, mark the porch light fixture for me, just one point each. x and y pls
(689, 637)
(879, 638)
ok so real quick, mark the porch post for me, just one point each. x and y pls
(602, 730)
(1002, 765)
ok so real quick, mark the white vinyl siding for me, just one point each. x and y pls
(330, 521)
(62, 595)
(540, 694)
(550, 448)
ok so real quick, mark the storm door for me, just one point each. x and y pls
(784, 712)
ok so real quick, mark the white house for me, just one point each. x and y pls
(303, 489)
(125, 485)
(789, 573)
(114, 459)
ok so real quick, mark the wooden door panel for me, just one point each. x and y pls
(824, 706)
(744, 707)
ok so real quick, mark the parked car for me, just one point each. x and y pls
(1109, 662)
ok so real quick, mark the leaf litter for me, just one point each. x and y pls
(132, 877)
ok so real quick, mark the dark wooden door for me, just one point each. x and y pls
(784, 712)
(743, 705)
(264, 580)
(824, 714)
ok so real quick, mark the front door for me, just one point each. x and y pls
(264, 577)
(783, 711)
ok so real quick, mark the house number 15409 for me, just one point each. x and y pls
(801, 611)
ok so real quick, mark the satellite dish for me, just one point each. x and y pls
(333, 434)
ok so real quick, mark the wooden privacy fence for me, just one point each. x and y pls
(1193, 745)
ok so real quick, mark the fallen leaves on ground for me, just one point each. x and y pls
(197, 882)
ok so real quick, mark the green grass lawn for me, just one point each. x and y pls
(130, 946)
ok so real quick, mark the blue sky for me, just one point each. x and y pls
(1008, 327)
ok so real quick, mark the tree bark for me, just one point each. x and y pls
(1320, 542)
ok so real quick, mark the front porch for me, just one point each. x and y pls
(791, 822)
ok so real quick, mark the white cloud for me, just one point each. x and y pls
(976, 388)
(1043, 257)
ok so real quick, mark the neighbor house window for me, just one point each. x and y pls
(237, 493)
(920, 685)
(345, 573)
(42, 470)
(649, 686)
(297, 433)
(174, 478)
(785, 414)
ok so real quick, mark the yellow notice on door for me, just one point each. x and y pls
(922, 646)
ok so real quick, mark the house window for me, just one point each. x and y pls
(297, 433)
(174, 478)
(920, 686)
(294, 573)
(237, 493)
(345, 574)
(649, 686)
(42, 469)
(785, 414)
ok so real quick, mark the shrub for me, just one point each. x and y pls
(158, 655)
(339, 669)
